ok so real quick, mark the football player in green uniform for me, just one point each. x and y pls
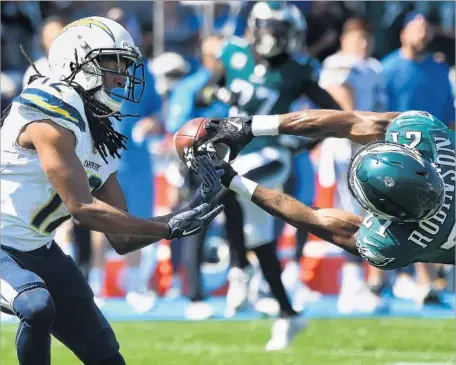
(405, 177)
(261, 74)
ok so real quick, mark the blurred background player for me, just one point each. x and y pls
(355, 81)
(263, 70)
(185, 104)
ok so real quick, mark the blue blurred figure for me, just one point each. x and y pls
(415, 80)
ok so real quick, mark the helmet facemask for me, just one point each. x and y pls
(104, 63)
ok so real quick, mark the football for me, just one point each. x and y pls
(191, 134)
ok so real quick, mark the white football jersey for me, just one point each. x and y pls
(31, 209)
(364, 76)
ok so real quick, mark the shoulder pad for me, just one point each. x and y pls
(56, 100)
(375, 244)
(231, 45)
(238, 42)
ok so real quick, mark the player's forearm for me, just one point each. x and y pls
(321, 224)
(360, 127)
(124, 244)
(102, 217)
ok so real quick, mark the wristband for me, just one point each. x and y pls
(243, 186)
(265, 125)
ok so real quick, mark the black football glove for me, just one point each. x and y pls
(235, 132)
(210, 168)
(192, 221)
(210, 177)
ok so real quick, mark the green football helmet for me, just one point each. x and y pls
(394, 182)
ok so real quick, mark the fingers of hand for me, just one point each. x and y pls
(208, 146)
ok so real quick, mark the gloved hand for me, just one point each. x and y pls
(235, 132)
(192, 221)
(210, 177)
(210, 168)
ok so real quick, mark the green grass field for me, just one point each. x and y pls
(326, 342)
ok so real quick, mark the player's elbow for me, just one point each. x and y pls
(120, 247)
(81, 215)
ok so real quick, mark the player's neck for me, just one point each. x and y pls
(411, 54)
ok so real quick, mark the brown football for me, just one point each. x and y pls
(192, 134)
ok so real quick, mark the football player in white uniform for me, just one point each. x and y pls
(59, 156)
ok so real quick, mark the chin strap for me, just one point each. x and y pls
(103, 98)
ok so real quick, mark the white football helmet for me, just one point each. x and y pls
(77, 52)
(276, 27)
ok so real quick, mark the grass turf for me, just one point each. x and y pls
(325, 342)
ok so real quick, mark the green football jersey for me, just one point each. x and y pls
(262, 89)
(390, 245)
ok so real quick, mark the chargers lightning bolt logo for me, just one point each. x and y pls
(89, 22)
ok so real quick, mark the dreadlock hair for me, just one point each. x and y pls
(105, 138)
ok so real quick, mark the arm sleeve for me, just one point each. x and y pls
(319, 96)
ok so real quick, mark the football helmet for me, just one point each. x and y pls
(79, 51)
(276, 28)
(395, 183)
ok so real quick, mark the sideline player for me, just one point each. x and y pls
(406, 181)
(59, 156)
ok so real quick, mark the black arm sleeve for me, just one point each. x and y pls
(319, 96)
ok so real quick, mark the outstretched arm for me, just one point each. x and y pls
(55, 148)
(237, 132)
(333, 225)
(360, 127)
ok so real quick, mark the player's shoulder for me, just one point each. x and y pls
(377, 245)
(235, 53)
(233, 44)
(55, 99)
